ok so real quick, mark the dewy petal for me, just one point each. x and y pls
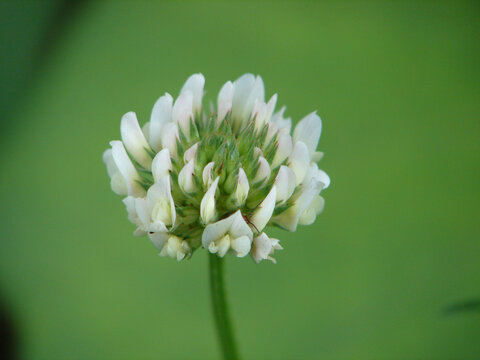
(161, 114)
(241, 245)
(160, 202)
(264, 211)
(126, 168)
(207, 205)
(190, 153)
(241, 192)
(162, 164)
(308, 130)
(185, 177)
(134, 140)
(264, 171)
(299, 161)
(285, 183)
(117, 181)
(169, 138)
(207, 174)
(195, 84)
(284, 150)
(224, 101)
(182, 111)
(290, 217)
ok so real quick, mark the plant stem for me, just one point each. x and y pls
(220, 308)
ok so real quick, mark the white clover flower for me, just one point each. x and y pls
(216, 179)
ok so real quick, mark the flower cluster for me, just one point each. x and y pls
(214, 179)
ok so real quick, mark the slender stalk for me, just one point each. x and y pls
(220, 309)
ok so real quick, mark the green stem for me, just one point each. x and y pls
(220, 308)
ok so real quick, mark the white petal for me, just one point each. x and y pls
(263, 172)
(315, 208)
(264, 211)
(285, 183)
(290, 217)
(117, 181)
(284, 149)
(324, 178)
(241, 192)
(207, 205)
(299, 161)
(239, 227)
(161, 114)
(161, 164)
(224, 101)
(190, 153)
(234, 226)
(263, 246)
(134, 140)
(195, 84)
(185, 178)
(160, 202)
(126, 168)
(129, 202)
(182, 111)
(169, 138)
(207, 174)
(247, 89)
(159, 239)
(308, 130)
(241, 245)
(144, 213)
(223, 245)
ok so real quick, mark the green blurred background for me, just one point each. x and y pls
(397, 86)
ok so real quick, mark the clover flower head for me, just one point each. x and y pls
(216, 178)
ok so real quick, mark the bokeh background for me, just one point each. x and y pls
(390, 270)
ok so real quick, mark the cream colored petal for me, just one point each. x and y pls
(207, 205)
(310, 214)
(161, 115)
(160, 202)
(162, 164)
(185, 177)
(241, 192)
(299, 161)
(289, 218)
(284, 149)
(126, 168)
(190, 153)
(207, 174)
(241, 245)
(159, 239)
(195, 85)
(117, 181)
(224, 101)
(264, 171)
(134, 140)
(308, 130)
(264, 211)
(182, 111)
(169, 138)
(285, 183)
